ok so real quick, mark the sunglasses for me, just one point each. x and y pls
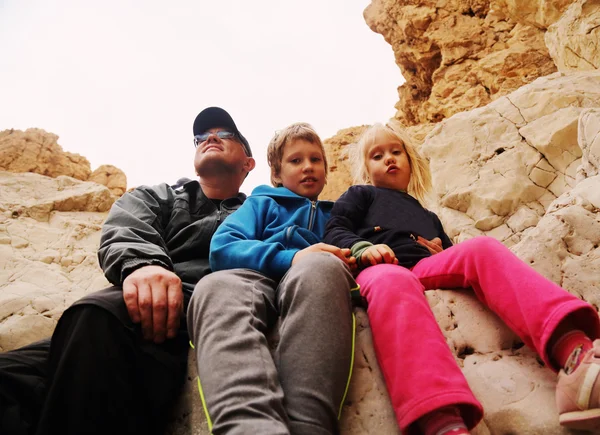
(200, 138)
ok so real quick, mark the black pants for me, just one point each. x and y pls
(95, 376)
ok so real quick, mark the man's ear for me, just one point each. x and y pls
(249, 164)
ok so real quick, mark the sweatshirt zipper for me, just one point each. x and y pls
(311, 217)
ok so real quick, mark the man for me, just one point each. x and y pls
(117, 358)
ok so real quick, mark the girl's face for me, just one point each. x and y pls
(388, 164)
(303, 169)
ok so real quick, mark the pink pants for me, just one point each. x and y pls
(408, 341)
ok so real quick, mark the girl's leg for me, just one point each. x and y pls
(538, 310)
(531, 305)
(419, 368)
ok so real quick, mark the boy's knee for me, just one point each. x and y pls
(223, 288)
(217, 285)
(321, 276)
(321, 262)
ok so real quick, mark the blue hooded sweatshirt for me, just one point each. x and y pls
(268, 229)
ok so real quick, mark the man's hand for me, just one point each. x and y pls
(154, 298)
(343, 254)
(378, 254)
(434, 245)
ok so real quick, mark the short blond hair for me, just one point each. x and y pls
(298, 130)
(419, 185)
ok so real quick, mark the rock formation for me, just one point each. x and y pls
(37, 151)
(460, 54)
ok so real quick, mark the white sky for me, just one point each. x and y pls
(121, 82)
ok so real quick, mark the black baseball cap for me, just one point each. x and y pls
(212, 117)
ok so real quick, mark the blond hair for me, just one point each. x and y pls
(298, 130)
(419, 185)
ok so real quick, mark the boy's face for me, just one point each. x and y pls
(388, 164)
(302, 168)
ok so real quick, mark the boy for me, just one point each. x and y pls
(280, 270)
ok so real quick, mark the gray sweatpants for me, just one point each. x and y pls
(300, 389)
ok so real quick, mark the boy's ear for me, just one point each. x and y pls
(277, 178)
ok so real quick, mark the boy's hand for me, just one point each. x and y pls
(343, 254)
(434, 245)
(378, 254)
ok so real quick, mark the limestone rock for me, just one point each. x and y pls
(111, 177)
(35, 150)
(339, 177)
(512, 158)
(36, 196)
(589, 140)
(458, 55)
(538, 13)
(573, 41)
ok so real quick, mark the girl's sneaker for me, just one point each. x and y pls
(578, 393)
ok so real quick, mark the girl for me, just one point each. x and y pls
(402, 250)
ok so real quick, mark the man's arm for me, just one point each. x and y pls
(132, 235)
(133, 254)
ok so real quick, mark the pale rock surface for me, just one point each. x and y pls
(36, 196)
(589, 139)
(512, 158)
(49, 235)
(574, 40)
(457, 55)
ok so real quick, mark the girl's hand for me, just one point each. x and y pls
(434, 245)
(350, 260)
(378, 254)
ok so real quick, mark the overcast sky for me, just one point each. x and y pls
(120, 82)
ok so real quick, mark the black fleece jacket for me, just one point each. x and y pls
(170, 226)
(384, 216)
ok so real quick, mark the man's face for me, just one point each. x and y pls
(219, 155)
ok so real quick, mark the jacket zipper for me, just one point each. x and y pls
(311, 217)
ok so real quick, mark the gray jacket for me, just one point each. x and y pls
(163, 225)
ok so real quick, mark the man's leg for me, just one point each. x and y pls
(100, 377)
(315, 349)
(228, 316)
(22, 387)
